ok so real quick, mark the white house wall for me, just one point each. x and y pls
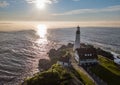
(63, 63)
(66, 64)
(76, 56)
(88, 61)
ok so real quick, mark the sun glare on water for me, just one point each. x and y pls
(42, 32)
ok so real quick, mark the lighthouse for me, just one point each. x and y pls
(84, 55)
(77, 40)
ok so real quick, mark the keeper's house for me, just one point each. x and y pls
(86, 56)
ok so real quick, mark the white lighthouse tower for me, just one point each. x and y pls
(77, 40)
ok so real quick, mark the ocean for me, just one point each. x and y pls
(20, 51)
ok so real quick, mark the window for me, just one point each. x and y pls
(90, 54)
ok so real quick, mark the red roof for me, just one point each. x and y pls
(87, 53)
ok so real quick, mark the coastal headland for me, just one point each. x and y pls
(106, 72)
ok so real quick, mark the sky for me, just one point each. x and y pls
(60, 10)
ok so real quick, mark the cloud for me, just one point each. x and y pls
(46, 1)
(3, 4)
(82, 11)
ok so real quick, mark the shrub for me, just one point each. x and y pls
(56, 75)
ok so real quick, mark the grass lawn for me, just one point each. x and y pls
(107, 70)
(85, 78)
(82, 77)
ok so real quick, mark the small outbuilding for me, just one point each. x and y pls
(64, 61)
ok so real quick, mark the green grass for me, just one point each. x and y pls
(56, 75)
(82, 77)
(85, 78)
(108, 71)
(109, 65)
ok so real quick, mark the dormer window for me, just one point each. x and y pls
(85, 54)
(90, 54)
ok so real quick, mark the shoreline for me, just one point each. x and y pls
(54, 54)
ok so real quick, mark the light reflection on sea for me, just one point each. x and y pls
(20, 53)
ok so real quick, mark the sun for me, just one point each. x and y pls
(40, 4)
